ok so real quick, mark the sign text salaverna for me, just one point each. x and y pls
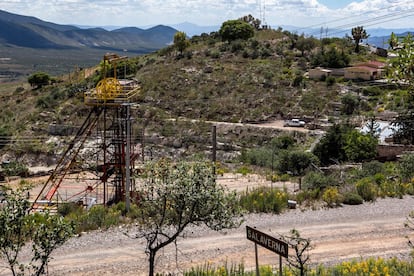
(269, 242)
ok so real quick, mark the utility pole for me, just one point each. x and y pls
(128, 159)
(214, 147)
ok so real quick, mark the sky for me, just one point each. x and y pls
(141, 13)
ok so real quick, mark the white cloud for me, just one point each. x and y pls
(211, 12)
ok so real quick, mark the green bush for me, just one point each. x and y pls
(67, 208)
(371, 168)
(244, 170)
(352, 199)
(236, 46)
(98, 217)
(264, 200)
(366, 189)
(315, 180)
(330, 81)
(15, 169)
(372, 91)
(295, 161)
(332, 197)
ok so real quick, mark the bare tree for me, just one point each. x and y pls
(301, 247)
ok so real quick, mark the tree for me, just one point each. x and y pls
(301, 246)
(393, 41)
(373, 127)
(13, 229)
(295, 162)
(401, 70)
(331, 146)
(50, 232)
(39, 79)
(174, 196)
(359, 146)
(343, 143)
(236, 29)
(358, 34)
(305, 44)
(406, 167)
(350, 103)
(17, 227)
(181, 42)
(331, 58)
(252, 21)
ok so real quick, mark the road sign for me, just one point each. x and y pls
(269, 242)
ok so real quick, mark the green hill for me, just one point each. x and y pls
(246, 81)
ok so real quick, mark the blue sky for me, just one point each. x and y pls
(337, 4)
(141, 13)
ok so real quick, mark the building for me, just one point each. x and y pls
(319, 73)
(371, 70)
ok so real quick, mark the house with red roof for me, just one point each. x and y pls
(371, 70)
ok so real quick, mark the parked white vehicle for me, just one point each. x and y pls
(294, 123)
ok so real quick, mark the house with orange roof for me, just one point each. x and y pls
(371, 70)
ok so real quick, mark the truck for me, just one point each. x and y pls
(294, 123)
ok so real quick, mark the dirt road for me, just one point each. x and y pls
(373, 229)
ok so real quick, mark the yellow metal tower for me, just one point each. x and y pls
(110, 119)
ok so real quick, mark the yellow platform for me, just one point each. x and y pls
(112, 92)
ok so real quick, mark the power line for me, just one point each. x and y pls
(343, 18)
(378, 19)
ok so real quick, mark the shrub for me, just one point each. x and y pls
(314, 180)
(258, 157)
(15, 169)
(366, 189)
(98, 217)
(215, 54)
(371, 168)
(352, 199)
(67, 208)
(236, 46)
(330, 81)
(232, 30)
(406, 166)
(295, 162)
(244, 170)
(39, 79)
(332, 197)
(265, 200)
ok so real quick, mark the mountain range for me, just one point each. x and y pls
(28, 44)
(31, 32)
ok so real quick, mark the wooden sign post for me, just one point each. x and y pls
(269, 242)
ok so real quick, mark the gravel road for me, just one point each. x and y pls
(372, 229)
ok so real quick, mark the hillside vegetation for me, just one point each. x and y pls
(241, 80)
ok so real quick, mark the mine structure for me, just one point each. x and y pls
(108, 128)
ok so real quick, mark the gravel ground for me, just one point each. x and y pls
(348, 232)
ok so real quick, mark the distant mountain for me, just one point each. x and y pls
(30, 32)
(382, 41)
